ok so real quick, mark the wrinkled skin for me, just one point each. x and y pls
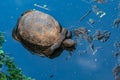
(40, 33)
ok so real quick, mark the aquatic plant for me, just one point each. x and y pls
(8, 69)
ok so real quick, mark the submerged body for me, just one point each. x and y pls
(40, 33)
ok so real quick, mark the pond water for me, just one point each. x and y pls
(79, 66)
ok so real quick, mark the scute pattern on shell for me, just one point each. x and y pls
(39, 28)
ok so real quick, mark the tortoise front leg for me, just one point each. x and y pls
(56, 45)
(60, 40)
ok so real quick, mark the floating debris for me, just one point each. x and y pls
(103, 36)
(42, 7)
(85, 15)
(116, 72)
(117, 44)
(100, 1)
(116, 22)
(92, 47)
(91, 25)
(84, 32)
(116, 54)
(98, 11)
(81, 31)
(91, 21)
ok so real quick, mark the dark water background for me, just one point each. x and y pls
(68, 13)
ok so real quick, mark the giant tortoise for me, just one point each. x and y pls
(40, 33)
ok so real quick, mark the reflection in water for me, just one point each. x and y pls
(88, 63)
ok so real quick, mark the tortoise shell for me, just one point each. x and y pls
(40, 33)
(39, 28)
(37, 31)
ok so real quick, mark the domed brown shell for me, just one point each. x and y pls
(39, 28)
(39, 32)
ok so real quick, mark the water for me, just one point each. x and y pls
(68, 13)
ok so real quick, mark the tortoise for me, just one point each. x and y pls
(40, 33)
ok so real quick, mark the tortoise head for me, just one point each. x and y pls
(68, 42)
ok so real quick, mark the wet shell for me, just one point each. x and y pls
(37, 32)
(39, 28)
